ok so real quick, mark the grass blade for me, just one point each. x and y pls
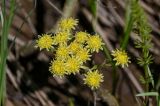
(148, 94)
(7, 20)
(128, 27)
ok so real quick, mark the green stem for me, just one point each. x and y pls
(115, 80)
(146, 77)
(114, 74)
(94, 6)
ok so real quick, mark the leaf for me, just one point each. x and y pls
(148, 94)
(151, 77)
(142, 80)
(129, 25)
(93, 7)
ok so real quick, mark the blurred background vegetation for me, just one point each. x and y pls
(29, 83)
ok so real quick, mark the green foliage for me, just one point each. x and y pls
(142, 28)
(148, 60)
(129, 24)
(136, 21)
(156, 94)
(6, 23)
(93, 7)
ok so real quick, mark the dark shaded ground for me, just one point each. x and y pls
(29, 83)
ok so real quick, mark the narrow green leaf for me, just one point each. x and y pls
(150, 76)
(93, 7)
(148, 94)
(4, 48)
(128, 26)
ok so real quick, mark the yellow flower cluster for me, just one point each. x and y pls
(121, 57)
(72, 51)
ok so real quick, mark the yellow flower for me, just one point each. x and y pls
(74, 47)
(72, 65)
(83, 55)
(45, 42)
(68, 24)
(94, 43)
(93, 79)
(57, 68)
(121, 58)
(62, 52)
(61, 37)
(81, 37)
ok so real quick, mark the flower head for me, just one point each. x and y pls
(83, 55)
(81, 37)
(68, 24)
(74, 47)
(58, 68)
(72, 65)
(93, 79)
(62, 52)
(45, 42)
(94, 43)
(61, 37)
(121, 58)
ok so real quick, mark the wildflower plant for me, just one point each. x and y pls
(71, 52)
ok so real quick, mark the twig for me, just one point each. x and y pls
(56, 8)
(12, 78)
